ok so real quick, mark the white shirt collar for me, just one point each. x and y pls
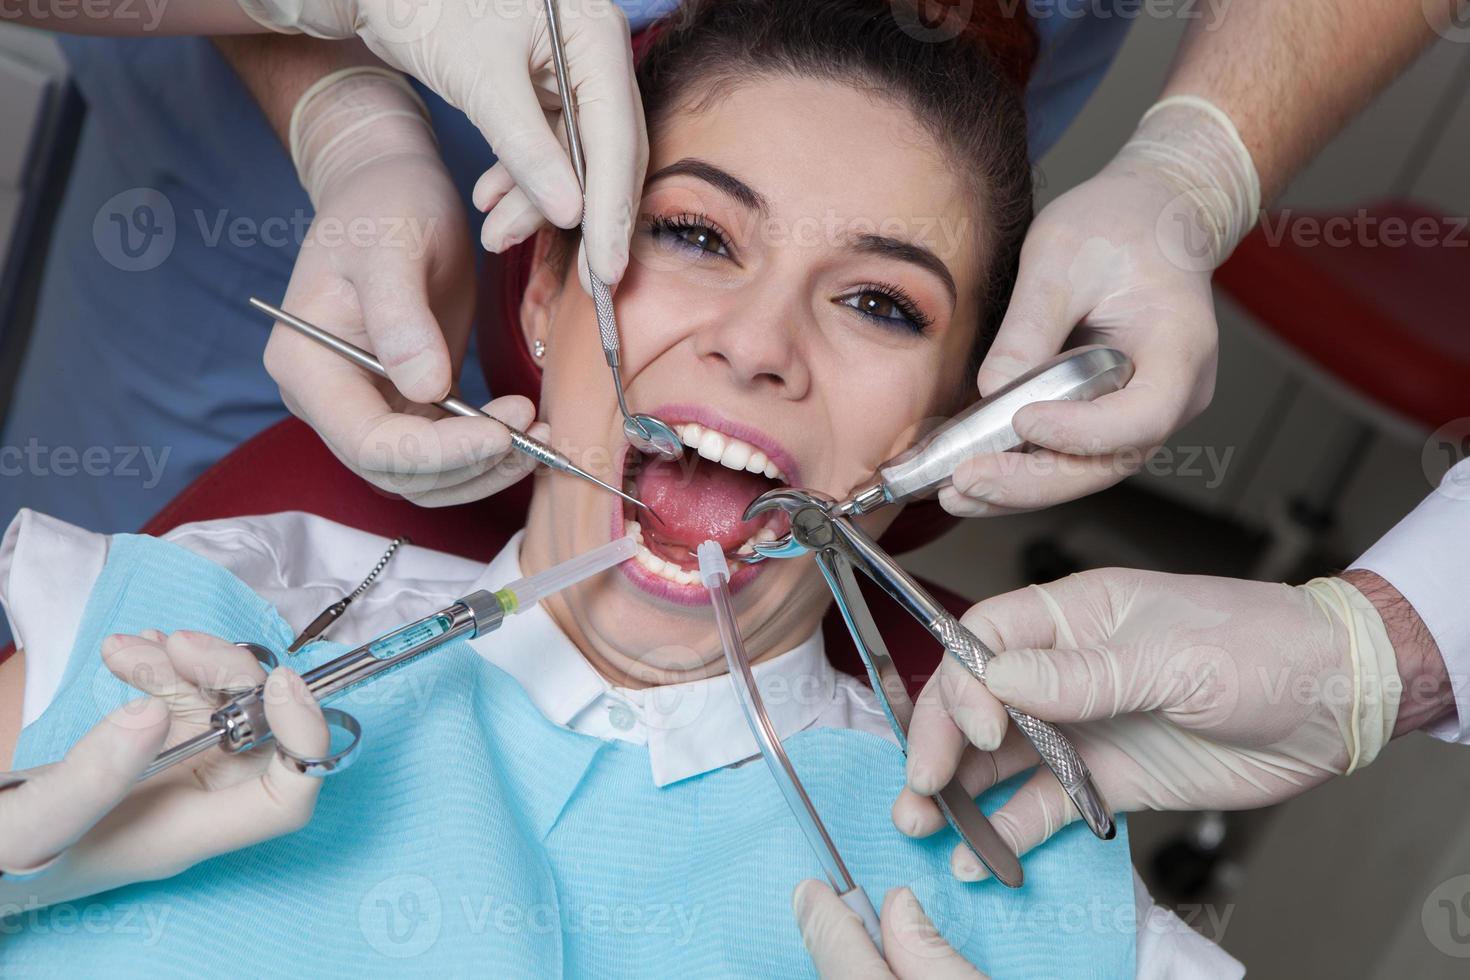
(690, 728)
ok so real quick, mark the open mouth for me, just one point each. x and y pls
(699, 498)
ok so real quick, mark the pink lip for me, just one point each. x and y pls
(710, 419)
(741, 575)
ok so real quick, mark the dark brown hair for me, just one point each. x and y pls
(960, 66)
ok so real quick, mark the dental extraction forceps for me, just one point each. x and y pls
(839, 546)
(522, 443)
(715, 574)
(824, 526)
(644, 432)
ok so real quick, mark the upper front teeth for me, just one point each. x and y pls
(726, 450)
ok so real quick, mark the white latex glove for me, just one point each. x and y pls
(493, 61)
(82, 826)
(1181, 692)
(840, 947)
(388, 265)
(1122, 259)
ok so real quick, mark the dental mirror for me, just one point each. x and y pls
(644, 432)
(649, 435)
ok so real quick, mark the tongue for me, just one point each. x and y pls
(700, 501)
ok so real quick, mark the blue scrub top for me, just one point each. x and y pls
(144, 366)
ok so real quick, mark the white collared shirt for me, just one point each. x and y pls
(302, 563)
(689, 728)
(1426, 557)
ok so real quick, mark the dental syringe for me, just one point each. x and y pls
(241, 724)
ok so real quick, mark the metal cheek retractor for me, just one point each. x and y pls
(839, 546)
(644, 432)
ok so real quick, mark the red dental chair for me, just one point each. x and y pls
(1380, 320)
(315, 482)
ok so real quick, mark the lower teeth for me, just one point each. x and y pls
(671, 571)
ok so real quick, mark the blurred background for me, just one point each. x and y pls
(1313, 447)
(1315, 444)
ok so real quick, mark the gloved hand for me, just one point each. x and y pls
(493, 61)
(387, 265)
(1180, 692)
(82, 826)
(1122, 259)
(840, 947)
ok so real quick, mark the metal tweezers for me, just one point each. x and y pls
(840, 546)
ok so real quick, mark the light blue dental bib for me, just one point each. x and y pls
(474, 836)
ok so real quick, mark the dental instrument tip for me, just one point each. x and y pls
(626, 496)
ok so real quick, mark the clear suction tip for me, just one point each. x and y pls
(712, 565)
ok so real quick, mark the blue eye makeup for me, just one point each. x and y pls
(889, 305)
(690, 232)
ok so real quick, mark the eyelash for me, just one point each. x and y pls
(915, 320)
(661, 225)
(918, 320)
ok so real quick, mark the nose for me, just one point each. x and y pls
(758, 341)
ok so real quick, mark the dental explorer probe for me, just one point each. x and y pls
(535, 449)
(644, 432)
(715, 574)
(241, 723)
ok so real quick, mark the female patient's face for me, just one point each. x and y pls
(802, 293)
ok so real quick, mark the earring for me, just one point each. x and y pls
(538, 348)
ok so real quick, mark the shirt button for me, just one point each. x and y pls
(620, 717)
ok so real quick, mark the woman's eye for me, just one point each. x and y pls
(690, 232)
(887, 307)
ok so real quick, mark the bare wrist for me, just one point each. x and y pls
(1427, 694)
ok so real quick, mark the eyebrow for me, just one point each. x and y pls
(721, 179)
(750, 198)
(896, 248)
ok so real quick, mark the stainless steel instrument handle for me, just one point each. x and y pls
(955, 803)
(607, 320)
(1054, 748)
(1080, 374)
(607, 324)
